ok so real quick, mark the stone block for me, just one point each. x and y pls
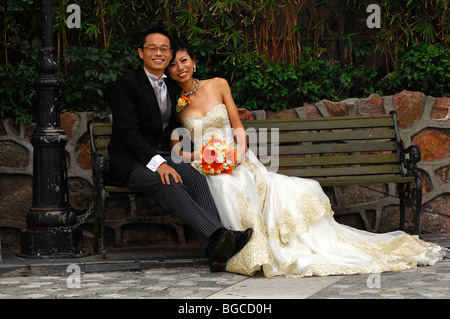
(283, 114)
(336, 108)
(311, 110)
(69, 123)
(436, 215)
(245, 114)
(83, 153)
(408, 106)
(441, 109)
(15, 199)
(434, 144)
(13, 155)
(373, 105)
(443, 173)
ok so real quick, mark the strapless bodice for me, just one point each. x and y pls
(215, 123)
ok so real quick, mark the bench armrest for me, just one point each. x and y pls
(409, 158)
(98, 161)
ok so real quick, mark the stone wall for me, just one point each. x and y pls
(424, 121)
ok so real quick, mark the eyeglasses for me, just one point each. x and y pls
(154, 49)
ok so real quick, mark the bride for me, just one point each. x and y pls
(295, 233)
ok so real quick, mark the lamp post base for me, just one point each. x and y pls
(64, 242)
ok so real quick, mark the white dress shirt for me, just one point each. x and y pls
(160, 88)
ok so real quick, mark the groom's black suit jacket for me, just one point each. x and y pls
(138, 133)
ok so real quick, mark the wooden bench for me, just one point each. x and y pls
(335, 151)
(342, 151)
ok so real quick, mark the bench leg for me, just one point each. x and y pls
(99, 223)
(411, 195)
(401, 189)
(414, 200)
(416, 203)
(96, 230)
(102, 223)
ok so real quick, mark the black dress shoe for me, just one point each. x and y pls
(242, 238)
(217, 266)
(219, 251)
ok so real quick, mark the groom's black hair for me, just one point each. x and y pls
(160, 30)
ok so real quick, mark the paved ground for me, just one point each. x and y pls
(200, 283)
(174, 276)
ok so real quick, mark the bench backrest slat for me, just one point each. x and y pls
(104, 153)
(102, 128)
(341, 171)
(101, 137)
(309, 148)
(360, 180)
(102, 141)
(323, 123)
(309, 136)
(336, 160)
(306, 148)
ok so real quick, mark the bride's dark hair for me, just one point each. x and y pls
(179, 44)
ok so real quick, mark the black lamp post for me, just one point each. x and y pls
(51, 230)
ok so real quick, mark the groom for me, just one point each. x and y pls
(144, 115)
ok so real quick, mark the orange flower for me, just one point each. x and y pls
(183, 101)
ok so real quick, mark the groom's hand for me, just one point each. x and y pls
(165, 171)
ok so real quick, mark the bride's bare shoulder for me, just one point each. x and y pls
(216, 82)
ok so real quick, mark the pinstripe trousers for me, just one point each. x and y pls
(191, 200)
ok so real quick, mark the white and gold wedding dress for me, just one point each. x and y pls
(295, 233)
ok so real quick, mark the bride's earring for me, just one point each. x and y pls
(195, 68)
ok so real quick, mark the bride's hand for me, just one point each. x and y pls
(195, 156)
(240, 153)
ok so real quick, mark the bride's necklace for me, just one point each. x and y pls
(184, 101)
(194, 90)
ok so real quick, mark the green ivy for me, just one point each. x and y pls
(18, 92)
(273, 86)
(426, 67)
(93, 71)
(423, 67)
(226, 38)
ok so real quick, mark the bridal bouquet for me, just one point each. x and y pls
(216, 157)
